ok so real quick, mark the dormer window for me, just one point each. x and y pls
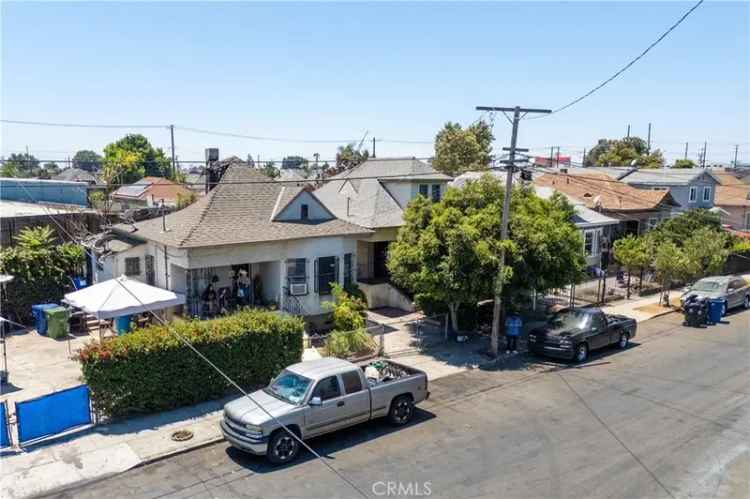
(304, 212)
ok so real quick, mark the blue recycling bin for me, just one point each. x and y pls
(40, 319)
(122, 324)
(715, 310)
(79, 283)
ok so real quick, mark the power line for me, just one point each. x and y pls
(627, 66)
(78, 125)
(270, 139)
(222, 373)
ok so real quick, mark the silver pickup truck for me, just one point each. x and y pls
(320, 396)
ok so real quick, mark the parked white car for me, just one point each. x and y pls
(733, 290)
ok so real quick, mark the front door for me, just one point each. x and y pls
(380, 270)
(327, 416)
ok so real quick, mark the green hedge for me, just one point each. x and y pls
(150, 370)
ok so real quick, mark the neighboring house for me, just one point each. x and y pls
(597, 229)
(374, 195)
(733, 201)
(288, 243)
(690, 187)
(637, 210)
(196, 182)
(149, 191)
(31, 202)
(77, 175)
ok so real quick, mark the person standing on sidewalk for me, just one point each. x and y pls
(513, 326)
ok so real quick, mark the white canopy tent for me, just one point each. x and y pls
(122, 296)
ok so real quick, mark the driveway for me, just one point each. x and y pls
(669, 417)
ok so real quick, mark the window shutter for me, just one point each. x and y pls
(316, 275)
(336, 273)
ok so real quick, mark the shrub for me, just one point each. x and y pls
(41, 267)
(345, 344)
(348, 311)
(151, 370)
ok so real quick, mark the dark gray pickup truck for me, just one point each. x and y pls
(572, 334)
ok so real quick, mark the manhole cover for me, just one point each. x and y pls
(182, 435)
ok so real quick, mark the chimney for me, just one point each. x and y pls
(212, 156)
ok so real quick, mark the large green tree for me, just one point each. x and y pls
(87, 160)
(21, 165)
(624, 152)
(680, 228)
(152, 161)
(707, 252)
(458, 150)
(450, 251)
(348, 156)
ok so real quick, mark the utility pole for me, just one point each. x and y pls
(373, 147)
(648, 146)
(174, 163)
(583, 161)
(510, 164)
(628, 136)
(551, 154)
(703, 154)
(736, 148)
(686, 149)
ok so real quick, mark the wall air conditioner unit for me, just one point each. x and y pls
(298, 288)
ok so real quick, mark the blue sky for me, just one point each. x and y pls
(333, 71)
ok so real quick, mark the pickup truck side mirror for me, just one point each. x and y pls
(730, 290)
(316, 401)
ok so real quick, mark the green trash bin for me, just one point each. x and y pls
(58, 322)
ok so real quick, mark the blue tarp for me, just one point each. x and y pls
(53, 413)
(4, 437)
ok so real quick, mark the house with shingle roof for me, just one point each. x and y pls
(251, 240)
(690, 188)
(150, 191)
(638, 210)
(374, 195)
(732, 199)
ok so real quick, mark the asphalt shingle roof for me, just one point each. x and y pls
(238, 210)
(76, 175)
(366, 201)
(667, 176)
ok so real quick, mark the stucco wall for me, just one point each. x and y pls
(403, 192)
(735, 216)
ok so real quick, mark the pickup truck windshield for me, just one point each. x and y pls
(289, 387)
(571, 319)
(705, 286)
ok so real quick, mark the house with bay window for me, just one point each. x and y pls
(249, 241)
(374, 195)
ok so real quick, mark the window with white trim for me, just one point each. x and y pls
(424, 190)
(435, 193)
(327, 272)
(707, 193)
(589, 243)
(296, 271)
(652, 223)
(693, 194)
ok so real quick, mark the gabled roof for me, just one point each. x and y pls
(76, 175)
(240, 209)
(599, 190)
(732, 195)
(361, 195)
(389, 169)
(727, 178)
(584, 217)
(668, 176)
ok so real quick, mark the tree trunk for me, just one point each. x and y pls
(453, 308)
(640, 282)
(628, 291)
(496, 311)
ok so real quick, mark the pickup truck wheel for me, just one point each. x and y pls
(582, 352)
(747, 301)
(402, 409)
(724, 308)
(623, 342)
(282, 448)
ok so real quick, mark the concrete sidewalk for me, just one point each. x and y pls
(100, 451)
(643, 309)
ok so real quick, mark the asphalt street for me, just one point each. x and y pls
(667, 418)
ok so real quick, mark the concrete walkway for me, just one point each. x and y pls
(643, 309)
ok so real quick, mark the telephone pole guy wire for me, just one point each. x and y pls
(215, 367)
